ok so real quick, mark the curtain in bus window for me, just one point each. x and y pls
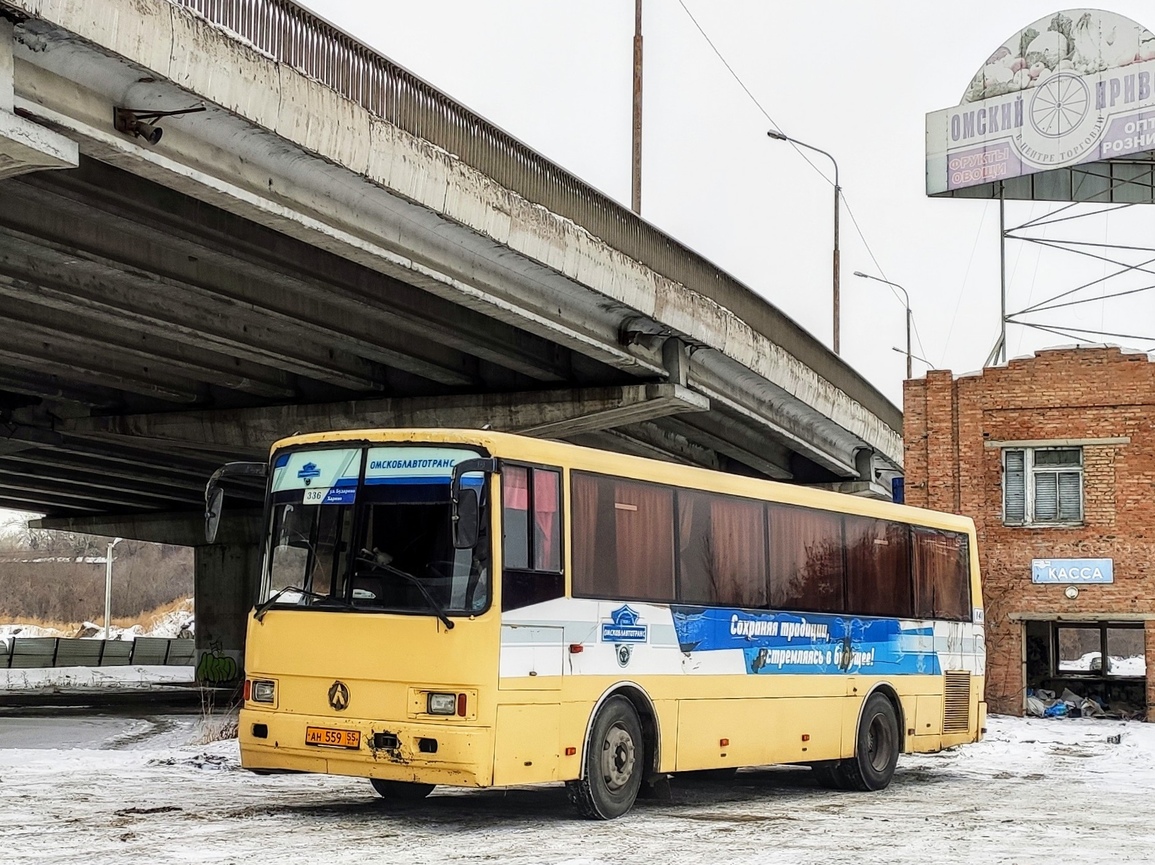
(515, 516)
(644, 527)
(594, 575)
(739, 540)
(941, 575)
(806, 560)
(722, 555)
(696, 583)
(878, 568)
(546, 521)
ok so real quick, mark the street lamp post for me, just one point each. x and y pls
(108, 586)
(778, 136)
(906, 303)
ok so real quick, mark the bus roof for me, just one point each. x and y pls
(546, 451)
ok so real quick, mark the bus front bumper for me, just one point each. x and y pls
(424, 753)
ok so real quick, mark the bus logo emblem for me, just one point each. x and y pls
(339, 696)
(308, 472)
(624, 627)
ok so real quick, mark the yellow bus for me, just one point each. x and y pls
(477, 609)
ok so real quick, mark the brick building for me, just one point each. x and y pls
(1053, 456)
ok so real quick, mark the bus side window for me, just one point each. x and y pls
(878, 579)
(807, 564)
(515, 516)
(721, 550)
(623, 539)
(531, 547)
(941, 575)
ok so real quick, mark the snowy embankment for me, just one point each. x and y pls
(178, 622)
(1033, 791)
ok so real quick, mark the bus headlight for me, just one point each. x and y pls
(442, 704)
(264, 691)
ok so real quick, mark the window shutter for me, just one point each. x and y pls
(1046, 497)
(1070, 496)
(1014, 488)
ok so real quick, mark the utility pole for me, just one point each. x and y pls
(636, 197)
(909, 316)
(837, 268)
(108, 587)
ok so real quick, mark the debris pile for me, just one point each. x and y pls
(1044, 704)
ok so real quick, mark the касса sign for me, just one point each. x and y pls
(1072, 571)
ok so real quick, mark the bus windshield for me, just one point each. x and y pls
(370, 529)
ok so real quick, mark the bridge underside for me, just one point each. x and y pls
(152, 337)
(285, 260)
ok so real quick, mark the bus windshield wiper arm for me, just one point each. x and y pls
(369, 558)
(262, 608)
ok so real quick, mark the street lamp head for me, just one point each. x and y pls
(777, 136)
(863, 275)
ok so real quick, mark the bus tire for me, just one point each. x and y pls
(401, 791)
(614, 765)
(876, 747)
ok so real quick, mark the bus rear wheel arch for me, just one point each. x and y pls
(615, 762)
(877, 744)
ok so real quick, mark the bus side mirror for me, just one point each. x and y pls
(214, 504)
(466, 520)
(215, 495)
(466, 509)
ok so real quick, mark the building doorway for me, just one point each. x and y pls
(1099, 661)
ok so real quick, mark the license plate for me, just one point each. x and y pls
(332, 738)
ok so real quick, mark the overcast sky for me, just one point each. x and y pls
(853, 78)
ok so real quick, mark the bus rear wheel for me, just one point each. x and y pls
(877, 747)
(614, 765)
(401, 791)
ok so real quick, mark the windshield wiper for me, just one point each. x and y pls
(259, 612)
(368, 557)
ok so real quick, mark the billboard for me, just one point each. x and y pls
(1072, 88)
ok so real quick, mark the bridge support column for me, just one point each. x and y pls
(25, 146)
(226, 580)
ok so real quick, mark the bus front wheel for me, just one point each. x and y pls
(400, 791)
(614, 765)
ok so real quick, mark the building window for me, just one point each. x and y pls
(1042, 486)
(1105, 649)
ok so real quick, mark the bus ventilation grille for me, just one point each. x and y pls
(956, 716)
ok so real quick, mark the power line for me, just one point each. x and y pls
(746, 89)
(963, 287)
(774, 123)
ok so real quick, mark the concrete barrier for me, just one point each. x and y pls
(42, 652)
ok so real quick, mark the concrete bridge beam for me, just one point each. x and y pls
(24, 145)
(547, 414)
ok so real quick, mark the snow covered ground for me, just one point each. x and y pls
(1033, 791)
(69, 678)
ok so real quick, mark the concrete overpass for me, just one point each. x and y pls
(320, 239)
